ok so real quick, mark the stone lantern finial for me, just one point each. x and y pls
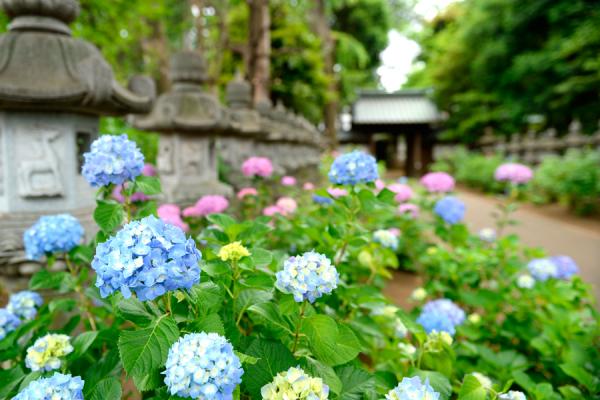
(49, 15)
(188, 67)
(239, 93)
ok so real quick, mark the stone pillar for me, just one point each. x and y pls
(189, 120)
(53, 88)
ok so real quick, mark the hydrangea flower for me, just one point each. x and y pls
(148, 257)
(210, 204)
(441, 315)
(8, 322)
(24, 304)
(419, 294)
(257, 166)
(514, 173)
(203, 366)
(435, 338)
(287, 204)
(288, 181)
(47, 351)
(56, 387)
(307, 277)
(337, 192)
(410, 209)
(487, 235)
(412, 389)
(512, 395)
(270, 211)
(247, 191)
(474, 318)
(117, 192)
(525, 281)
(295, 384)
(386, 238)
(52, 234)
(438, 182)
(542, 269)
(352, 168)
(400, 329)
(233, 251)
(322, 199)
(308, 186)
(171, 214)
(403, 192)
(112, 159)
(450, 209)
(565, 267)
(407, 348)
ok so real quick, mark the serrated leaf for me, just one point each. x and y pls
(355, 382)
(249, 297)
(82, 343)
(331, 343)
(472, 389)
(144, 351)
(135, 311)
(208, 296)
(210, 323)
(270, 313)
(61, 281)
(222, 220)
(149, 185)
(64, 305)
(581, 375)
(273, 357)
(10, 378)
(108, 215)
(261, 256)
(318, 369)
(106, 389)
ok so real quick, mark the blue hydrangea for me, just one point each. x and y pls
(56, 387)
(112, 159)
(352, 168)
(450, 209)
(441, 315)
(52, 234)
(412, 389)
(8, 322)
(542, 269)
(565, 267)
(24, 304)
(307, 277)
(386, 238)
(148, 257)
(203, 366)
(322, 199)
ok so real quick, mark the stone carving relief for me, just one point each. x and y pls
(193, 156)
(40, 176)
(165, 156)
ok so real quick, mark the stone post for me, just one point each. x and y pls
(53, 88)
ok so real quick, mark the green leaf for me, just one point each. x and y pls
(472, 389)
(61, 281)
(210, 323)
(144, 351)
(149, 185)
(581, 375)
(10, 378)
(222, 220)
(261, 256)
(249, 297)
(135, 311)
(273, 357)
(106, 389)
(355, 382)
(82, 343)
(109, 215)
(331, 343)
(147, 208)
(63, 305)
(208, 296)
(270, 313)
(318, 369)
(246, 359)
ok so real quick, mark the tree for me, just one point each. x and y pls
(259, 49)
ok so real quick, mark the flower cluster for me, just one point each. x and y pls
(210, 204)
(512, 395)
(514, 173)
(112, 159)
(307, 277)
(56, 387)
(288, 181)
(438, 182)
(386, 238)
(295, 384)
(203, 366)
(413, 388)
(402, 192)
(450, 209)
(542, 269)
(409, 209)
(337, 192)
(47, 351)
(352, 168)
(233, 251)
(322, 199)
(441, 315)
(8, 322)
(283, 206)
(51, 234)
(117, 192)
(257, 166)
(487, 235)
(247, 191)
(171, 214)
(525, 281)
(565, 267)
(308, 186)
(148, 257)
(24, 304)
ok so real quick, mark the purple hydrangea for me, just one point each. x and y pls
(148, 257)
(8, 322)
(565, 267)
(542, 269)
(450, 209)
(307, 277)
(441, 315)
(52, 234)
(112, 159)
(353, 168)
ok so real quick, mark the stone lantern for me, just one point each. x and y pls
(188, 120)
(53, 89)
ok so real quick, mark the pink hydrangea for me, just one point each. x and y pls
(394, 231)
(403, 192)
(149, 170)
(288, 181)
(257, 166)
(287, 204)
(308, 186)
(272, 210)
(379, 185)
(117, 192)
(408, 208)
(247, 191)
(438, 182)
(513, 173)
(337, 192)
(210, 204)
(171, 214)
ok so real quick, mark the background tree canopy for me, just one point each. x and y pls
(498, 63)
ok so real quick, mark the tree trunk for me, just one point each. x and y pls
(259, 46)
(330, 113)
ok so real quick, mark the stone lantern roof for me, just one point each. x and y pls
(186, 107)
(43, 68)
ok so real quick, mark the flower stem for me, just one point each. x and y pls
(83, 302)
(298, 326)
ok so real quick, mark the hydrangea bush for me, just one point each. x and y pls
(228, 303)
